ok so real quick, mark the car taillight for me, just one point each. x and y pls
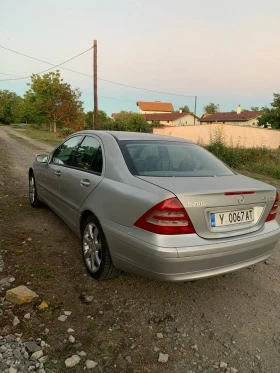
(167, 217)
(273, 212)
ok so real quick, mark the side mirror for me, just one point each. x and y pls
(42, 158)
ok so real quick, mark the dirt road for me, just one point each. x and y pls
(212, 325)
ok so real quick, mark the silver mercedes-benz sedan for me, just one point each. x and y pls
(156, 206)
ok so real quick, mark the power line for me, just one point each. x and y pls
(10, 75)
(41, 72)
(77, 72)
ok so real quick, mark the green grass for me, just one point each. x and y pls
(44, 273)
(41, 135)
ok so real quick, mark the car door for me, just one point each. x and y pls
(50, 177)
(79, 179)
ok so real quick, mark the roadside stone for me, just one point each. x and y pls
(36, 355)
(159, 335)
(27, 316)
(70, 330)
(21, 295)
(233, 370)
(3, 367)
(194, 347)
(82, 353)
(67, 313)
(156, 349)
(43, 305)
(12, 370)
(72, 361)
(90, 364)
(223, 364)
(11, 280)
(86, 298)
(77, 345)
(71, 339)
(5, 283)
(16, 321)
(128, 359)
(62, 318)
(32, 347)
(163, 358)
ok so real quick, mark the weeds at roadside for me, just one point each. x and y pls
(260, 160)
(43, 273)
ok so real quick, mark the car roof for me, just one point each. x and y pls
(123, 135)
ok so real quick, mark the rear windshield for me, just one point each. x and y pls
(171, 159)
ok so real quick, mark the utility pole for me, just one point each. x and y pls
(95, 99)
(195, 101)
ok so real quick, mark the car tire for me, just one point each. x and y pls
(95, 250)
(33, 196)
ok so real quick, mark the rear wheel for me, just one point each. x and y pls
(33, 196)
(96, 252)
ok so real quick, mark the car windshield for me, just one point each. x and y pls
(171, 159)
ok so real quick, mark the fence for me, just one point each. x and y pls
(237, 135)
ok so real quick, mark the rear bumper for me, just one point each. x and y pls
(210, 258)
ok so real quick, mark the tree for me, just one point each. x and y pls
(53, 101)
(104, 122)
(133, 122)
(185, 109)
(271, 115)
(211, 108)
(9, 103)
(255, 108)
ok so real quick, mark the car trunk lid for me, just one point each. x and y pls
(221, 206)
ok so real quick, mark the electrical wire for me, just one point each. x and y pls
(77, 72)
(43, 71)
(10, 75)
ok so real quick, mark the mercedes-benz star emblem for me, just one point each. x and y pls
(241, 199)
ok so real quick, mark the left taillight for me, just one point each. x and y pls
(167, 217)
(273, 212)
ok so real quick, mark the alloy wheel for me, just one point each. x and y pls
(92, 247)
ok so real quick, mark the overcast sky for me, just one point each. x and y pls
(226, 52)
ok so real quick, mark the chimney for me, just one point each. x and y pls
(238, 109)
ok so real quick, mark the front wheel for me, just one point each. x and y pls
(96, 252)
(33, 196)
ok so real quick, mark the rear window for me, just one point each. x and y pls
(171, 159)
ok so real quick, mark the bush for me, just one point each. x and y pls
(260, 160)
(66, 131)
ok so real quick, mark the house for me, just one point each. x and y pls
(115, 115)
(156, 107)
(248, 118)
(173, 119)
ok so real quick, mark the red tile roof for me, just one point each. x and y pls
(231, 116)
(155, 106)
(167, 116)
(115, 115)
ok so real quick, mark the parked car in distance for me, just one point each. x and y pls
(156, 206)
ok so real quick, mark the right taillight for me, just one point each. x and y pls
(273, 212)
(167, 217)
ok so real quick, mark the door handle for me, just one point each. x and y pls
(85, 183)
(58, 173)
